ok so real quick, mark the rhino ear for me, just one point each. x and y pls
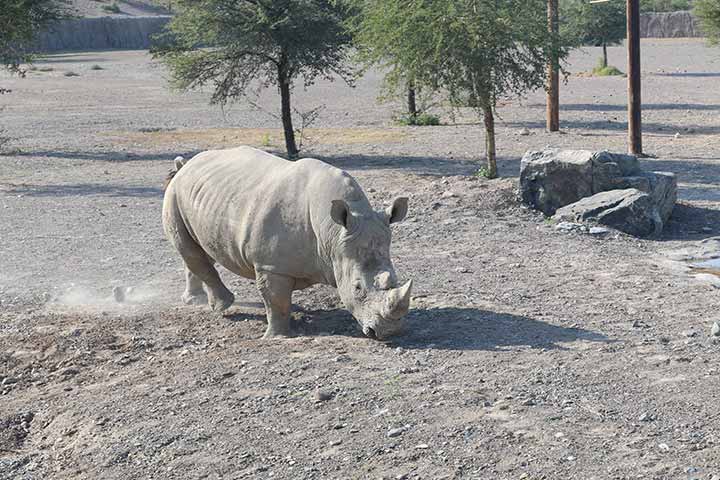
(398, 210)
(340, 213)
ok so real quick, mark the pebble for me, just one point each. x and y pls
(715, 330)
(449, 194)
(396, 432)
(645, 417)
(323, 396)
(335, 443)
(664, 447)
(422, 446)
(524, 132)
(119, 294)
(599, 230)
(567, 226)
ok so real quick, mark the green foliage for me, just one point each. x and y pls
(665, 5)
(230, 44)
(420, 120)
(484, 172)
(596, 24)
(112, 8)
(708, 11)
(477, 49)
(606, 70)
(20, 21)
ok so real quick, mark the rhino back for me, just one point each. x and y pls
(252, 210)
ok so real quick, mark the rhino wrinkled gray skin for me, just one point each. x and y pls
(288, 225)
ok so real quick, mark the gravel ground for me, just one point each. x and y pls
(530, 353)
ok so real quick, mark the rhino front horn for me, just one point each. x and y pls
(397, 302)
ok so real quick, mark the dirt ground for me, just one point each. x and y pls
(530, 353)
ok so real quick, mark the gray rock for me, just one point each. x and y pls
(661, 186)
(630, 211)
(715, 330)
(551, 179)
(599, 231)
(567, 226)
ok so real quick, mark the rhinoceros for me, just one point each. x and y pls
(288, 225)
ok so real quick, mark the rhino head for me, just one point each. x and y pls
(364, 272)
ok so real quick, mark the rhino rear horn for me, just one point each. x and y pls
(397, 302)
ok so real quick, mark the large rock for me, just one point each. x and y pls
(630, 210)
(661, 186)
(670, 25)
(551, 179)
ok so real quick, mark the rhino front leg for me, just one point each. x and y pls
(276, 291)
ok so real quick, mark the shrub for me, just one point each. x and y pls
(421, 120)
(113, 8)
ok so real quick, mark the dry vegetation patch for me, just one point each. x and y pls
(259, 137)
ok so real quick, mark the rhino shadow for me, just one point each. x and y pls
(460, 329)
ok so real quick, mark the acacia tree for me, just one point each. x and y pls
(230, 44)
(20, 22)
(597, 24)
(479, 50)
(708, 11)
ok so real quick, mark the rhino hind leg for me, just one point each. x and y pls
(201, 268)
(276, 291)
(194, 292)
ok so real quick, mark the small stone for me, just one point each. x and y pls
(119, 294)
(599, 230)
(529, 402)
(567, 226)
(645, 417)
(449, 194)
(323, 396)
(9, 381)
(677, 135)
(524, 132)
(463, 270)
(422, 446)
(664, 447)
(396, 432)
(559, 435)
(715, 330)
(335, 443)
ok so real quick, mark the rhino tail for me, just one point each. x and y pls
(178, 162)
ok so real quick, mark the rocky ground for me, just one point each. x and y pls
(530, 352)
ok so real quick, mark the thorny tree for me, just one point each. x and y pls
(479, 50)
(597, 24)
(235, 45)
(708, 11)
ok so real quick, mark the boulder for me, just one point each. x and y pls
(629, 210)
(551, 179)
(661, 186)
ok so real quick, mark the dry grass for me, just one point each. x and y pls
(258, 137)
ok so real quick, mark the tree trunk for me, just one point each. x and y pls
(634, 78)
(411, 104)
(553, 71)
(490, 141)
(604, 58)
(286, 112)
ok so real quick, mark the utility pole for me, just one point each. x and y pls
(553, 74)
(634, 78)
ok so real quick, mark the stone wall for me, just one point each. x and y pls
(669, 25)
(83, 34)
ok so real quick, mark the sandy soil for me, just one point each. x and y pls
(530, 353)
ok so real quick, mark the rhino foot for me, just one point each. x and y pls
(221, 302)
(195, 299)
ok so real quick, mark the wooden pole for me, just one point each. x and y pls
(553, 77)
(634, 78)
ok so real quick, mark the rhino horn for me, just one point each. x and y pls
(397, 302)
